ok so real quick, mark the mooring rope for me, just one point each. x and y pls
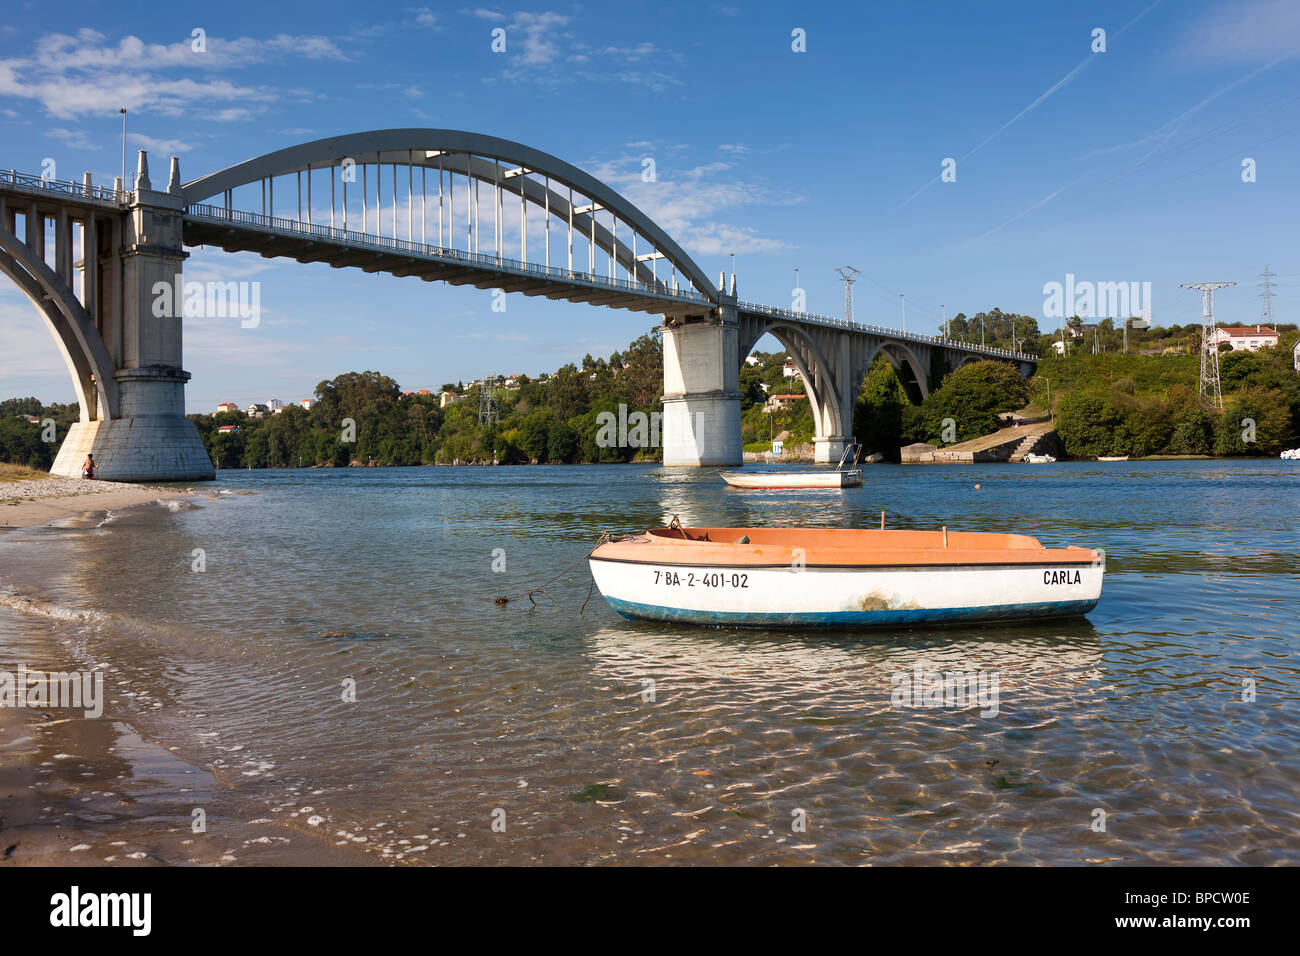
(504, 599)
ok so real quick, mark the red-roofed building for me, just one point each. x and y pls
(776, 403)
(1251, 337)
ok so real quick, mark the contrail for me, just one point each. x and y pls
(1058, 84)
(1173, 125)
(1042, 98)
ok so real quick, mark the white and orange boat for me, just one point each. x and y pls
(828, 479)
(830, 577)
(842, 475)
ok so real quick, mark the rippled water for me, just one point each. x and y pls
(469, 712)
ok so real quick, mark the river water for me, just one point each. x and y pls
(1160, 729)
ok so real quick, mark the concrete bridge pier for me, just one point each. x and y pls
(143, 434)
(701, 424)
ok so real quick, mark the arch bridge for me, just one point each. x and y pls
(438, 205)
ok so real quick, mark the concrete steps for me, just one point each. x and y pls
(1006, 444)
(1029, 447)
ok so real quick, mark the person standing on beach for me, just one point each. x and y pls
(88, 468)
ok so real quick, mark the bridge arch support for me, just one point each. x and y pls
(124, 357)
(904, 357)
(79, 342)
(832, 363)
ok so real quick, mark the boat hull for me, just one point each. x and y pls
(750, 596)
(794, 479)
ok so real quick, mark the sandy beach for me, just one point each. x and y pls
(30, 498)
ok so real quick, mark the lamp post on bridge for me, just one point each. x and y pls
(123, 112)
(903, 301)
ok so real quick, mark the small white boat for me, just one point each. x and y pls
(841, 477)
(1292, 454)
(774, 577)
(1032, 459)
(794, 479)
(1112, 457)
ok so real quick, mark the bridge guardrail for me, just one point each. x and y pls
(65, 187)
(297, 227)
(832, 321)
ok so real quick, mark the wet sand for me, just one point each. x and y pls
(28, 502)
(79, 791)
(92, 791)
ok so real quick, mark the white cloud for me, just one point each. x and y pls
(541, 50)
(75, 138)
(164, 147)
(72, 76)
(231, 115)
(688, 205)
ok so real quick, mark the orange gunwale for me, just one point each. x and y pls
(836, 548)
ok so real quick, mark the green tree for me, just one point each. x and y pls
(1088, 425)
(973, 396)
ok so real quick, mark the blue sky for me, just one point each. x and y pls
(1115, 166)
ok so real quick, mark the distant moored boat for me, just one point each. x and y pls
(1112, 458)
(842, 476)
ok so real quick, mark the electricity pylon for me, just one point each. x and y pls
(1209, 384)
(1267, 275)
(847, 273)
(487, 404)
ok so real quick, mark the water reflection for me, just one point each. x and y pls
(387, 576)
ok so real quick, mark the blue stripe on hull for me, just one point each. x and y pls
(894, 618)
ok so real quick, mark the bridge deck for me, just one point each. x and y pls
(239, 231)
(755, 310)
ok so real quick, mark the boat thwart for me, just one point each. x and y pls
(765, 577)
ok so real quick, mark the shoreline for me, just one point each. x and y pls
(29, 503)
(83, 790)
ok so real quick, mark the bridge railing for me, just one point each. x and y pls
(298, 228)
(813, 318)
(26, 181)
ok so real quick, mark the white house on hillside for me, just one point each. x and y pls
(1251, 338)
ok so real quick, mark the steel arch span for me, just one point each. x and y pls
(543, 181)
